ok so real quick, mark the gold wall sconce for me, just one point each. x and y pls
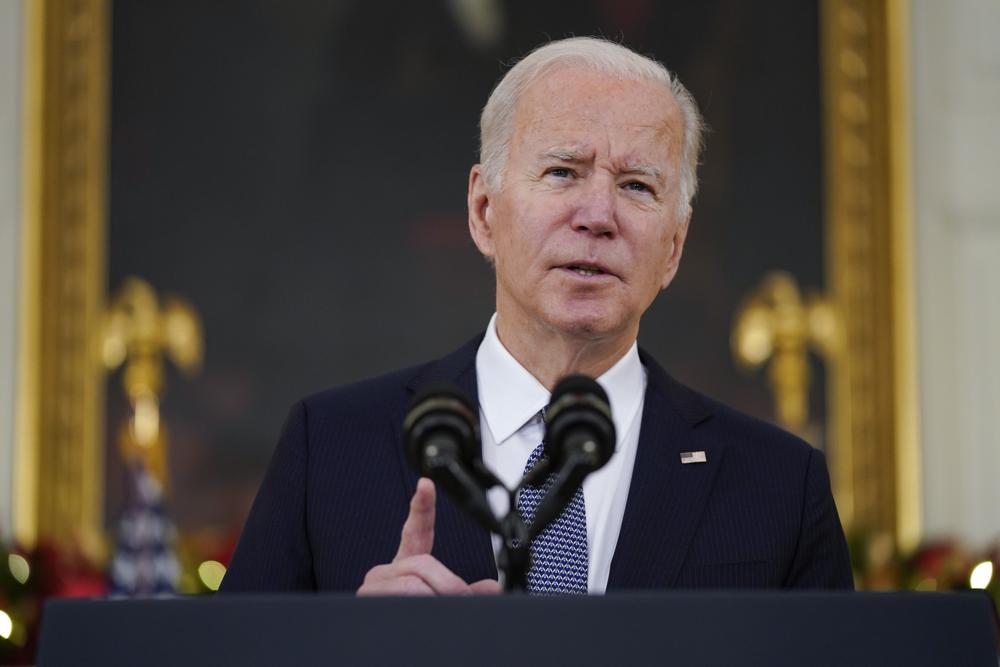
(777, 326)
(138, 333)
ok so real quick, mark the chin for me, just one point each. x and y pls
(587, 323)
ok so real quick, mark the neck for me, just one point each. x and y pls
(552, 355)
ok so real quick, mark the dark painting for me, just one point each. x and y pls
(298, 171)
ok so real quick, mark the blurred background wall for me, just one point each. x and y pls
(11, 99)
(956, 157)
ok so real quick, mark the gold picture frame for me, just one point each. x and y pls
(59, 453)
(875, 457)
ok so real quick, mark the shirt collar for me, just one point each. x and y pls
(509, 395)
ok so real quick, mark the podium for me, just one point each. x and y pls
(636, 629)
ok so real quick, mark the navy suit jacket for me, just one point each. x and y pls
(758, 514)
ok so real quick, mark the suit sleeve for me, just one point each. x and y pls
(821, 557)
(273, 553)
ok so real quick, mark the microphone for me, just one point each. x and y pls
(579, 439)
(441, 436)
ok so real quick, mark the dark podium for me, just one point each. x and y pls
(642, 629)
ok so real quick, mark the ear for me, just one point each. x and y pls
(480, 213)
(677, 249)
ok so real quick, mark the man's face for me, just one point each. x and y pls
(586, 229)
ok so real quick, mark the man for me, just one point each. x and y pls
(582, 203)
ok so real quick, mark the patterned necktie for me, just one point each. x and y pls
(559, 553)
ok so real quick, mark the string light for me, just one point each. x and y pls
(981, 575)
(19, 567)
(6, 625)
(211, 573)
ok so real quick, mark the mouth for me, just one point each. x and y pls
(587, 269)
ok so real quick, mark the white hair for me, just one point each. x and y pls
(496, 125)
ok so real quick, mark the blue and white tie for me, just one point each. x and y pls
(559, 553)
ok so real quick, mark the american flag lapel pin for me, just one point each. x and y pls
(693, 457)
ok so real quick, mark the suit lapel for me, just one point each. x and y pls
(666, 497)
(459, 542)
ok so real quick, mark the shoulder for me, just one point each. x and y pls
(368, 410)
(746, 438)
(387, 395)
(369, 393)
(752, 435)
(759, 454)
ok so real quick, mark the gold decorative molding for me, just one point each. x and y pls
(59, 453)
(875, 456)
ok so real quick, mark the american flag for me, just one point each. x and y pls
(144, 562)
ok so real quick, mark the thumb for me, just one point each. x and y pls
(418, 532)
(485, 587)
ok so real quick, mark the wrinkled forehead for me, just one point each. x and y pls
(575, 106)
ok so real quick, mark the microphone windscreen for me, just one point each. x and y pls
(441, 413)
(440, 390)
(578, 384)
(579, 416)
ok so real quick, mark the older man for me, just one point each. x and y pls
(582, 203)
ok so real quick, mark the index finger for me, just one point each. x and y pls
(418, 532)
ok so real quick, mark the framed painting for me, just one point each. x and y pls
(297, 173)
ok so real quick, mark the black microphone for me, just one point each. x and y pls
(579, 439)
(441, 435)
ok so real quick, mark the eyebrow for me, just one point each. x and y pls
(572, 155)
(563, 155)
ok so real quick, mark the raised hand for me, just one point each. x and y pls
(414, 571)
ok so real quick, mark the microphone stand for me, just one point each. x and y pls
(441, 437)
(468, 488)
(567, 480)
(515, 550)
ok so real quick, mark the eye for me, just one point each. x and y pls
(559, 172)
(637, 186)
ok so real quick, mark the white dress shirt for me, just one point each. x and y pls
(510, 400)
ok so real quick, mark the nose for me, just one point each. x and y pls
(596, 208)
